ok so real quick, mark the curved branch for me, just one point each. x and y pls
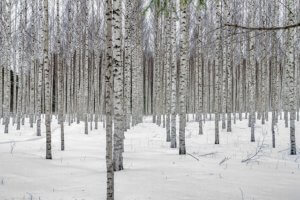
(264, 28)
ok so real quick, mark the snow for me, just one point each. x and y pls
(152, 169)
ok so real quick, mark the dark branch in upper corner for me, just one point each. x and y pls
(264, 28)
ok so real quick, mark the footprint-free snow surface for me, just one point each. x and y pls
(236, 169)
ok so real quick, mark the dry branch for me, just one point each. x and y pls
(257, 154)
(263, 28)
(193, 156)
(224, 160)
(207, 154)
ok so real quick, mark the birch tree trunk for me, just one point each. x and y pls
(173, 77)
(200, 75)
(218, 63)
(86, 68)
(118, 81)
(252, 66)
(168, 75)
(290, 76)
(39, 98)
(47, 80)
(40, 73)
(127, 64)
(229, 64)
(109, 103)
(183, 75)
(20, 77)
(8, 52)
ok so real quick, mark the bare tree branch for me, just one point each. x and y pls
(264, 28)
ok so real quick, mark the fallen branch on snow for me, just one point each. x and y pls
(202, 155)
(192, 156)
(257, 154)
(224, 160)
(283, 150)
(207, 154)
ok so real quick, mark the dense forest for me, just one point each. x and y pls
(109, 64)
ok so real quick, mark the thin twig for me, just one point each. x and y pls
(256, 154)
(224, 160)
(193, 156)
(207, 154)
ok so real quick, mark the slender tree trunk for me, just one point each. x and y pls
(118, 81)
(8, 52)
(290, 76)
(47, 80)
(173, 78)
(183, 76)
(109, 103)
(86, 68)
(218, 63)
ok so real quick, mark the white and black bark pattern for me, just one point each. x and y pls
(241, 91)
(200, 92)
(264, 65)
(39, 80)
(158, 67)
(290, 77)
(168, 76)
(47, 80)
(39, 98)
(109, 102)
(224, 80)
(96, 87)
(61, 100)
(118, 82)
(173, 77)
(7, 67)
(127, 64)
(157, 86)
(263, 90)
(60, 68)
(31, 76)
(229, 64)
(206, 87)
(86, 68)
(134, 84)
(200, 77)
(252, 69)
(183, 75)
(20, 77)
(218, 63)
(274, 75)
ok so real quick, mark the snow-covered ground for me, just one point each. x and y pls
(152, 170)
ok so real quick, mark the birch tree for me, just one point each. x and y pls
(47, 80)
(118, 81)
(290, 78)
(183, 74)
(173, 76)
(109, 102)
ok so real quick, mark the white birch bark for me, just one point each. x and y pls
(173, 76)
(252, 63)
(127, 64)
(118, 81)
(218, 63)
(290, 78)
(168, 75)
(86, 67)
(183, 74)
(7, 67)
(47, 80)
